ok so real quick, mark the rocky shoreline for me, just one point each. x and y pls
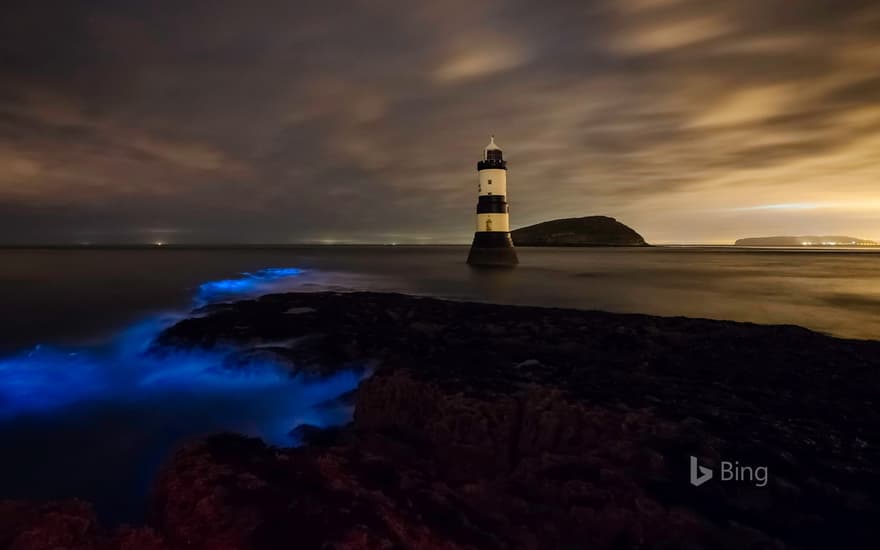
(487, 426)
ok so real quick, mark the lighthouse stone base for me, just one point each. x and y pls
(494, 249)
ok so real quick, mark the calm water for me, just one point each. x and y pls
(83, 412)
(71, 295)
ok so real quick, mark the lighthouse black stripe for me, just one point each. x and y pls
(492, 204)
(492, 198)
(492, 208)
(492, 239)
(492, 164)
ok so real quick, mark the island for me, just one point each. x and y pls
(490, 426)
(586, 231)
(805, 240)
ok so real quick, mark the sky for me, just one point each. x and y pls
(361, 121)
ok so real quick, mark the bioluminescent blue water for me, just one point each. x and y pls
(50, 377)
(124, 409)
(46, 379)
(260, 282)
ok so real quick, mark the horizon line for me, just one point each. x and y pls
(230, 245)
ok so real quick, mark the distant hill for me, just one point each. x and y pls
(588, 231)
(805, 240)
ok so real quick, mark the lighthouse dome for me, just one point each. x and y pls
(492, 151)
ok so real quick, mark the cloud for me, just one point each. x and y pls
(298, 122)
(482, 61)
(193, 156)
(749, 105)
(657, 36)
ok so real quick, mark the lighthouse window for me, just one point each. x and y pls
(490, 182)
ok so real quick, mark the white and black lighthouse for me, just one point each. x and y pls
(492, 244)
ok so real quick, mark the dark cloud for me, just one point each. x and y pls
(284, 121)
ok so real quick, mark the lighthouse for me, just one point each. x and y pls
(492, 244)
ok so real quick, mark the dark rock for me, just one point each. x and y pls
(68, 525)
(589, 418)
(308, 434)
(347, 399)
(490, 426)
(587, 231)
(64, 524)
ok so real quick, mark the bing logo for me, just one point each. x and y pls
(699, 474)
(729, 471)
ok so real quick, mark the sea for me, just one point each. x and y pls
(85, 412)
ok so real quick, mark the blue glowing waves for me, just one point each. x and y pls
(45, 378)
(259, 282)
(260, 399)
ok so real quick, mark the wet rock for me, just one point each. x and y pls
(68, 525)
(489, 426)
(64, 524)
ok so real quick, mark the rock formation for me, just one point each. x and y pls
(568, 429)
(588, 231)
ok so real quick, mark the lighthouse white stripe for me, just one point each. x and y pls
(498, 179)
(493, 222)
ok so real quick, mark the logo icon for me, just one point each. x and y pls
(699, 474)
